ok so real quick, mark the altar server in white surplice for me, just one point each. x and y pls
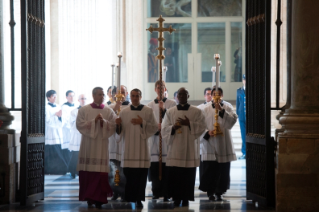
(181, 127)
(54, 160)
(159, 187)
(208, 99)
(217, 151)
(75, 141)
(96, 123)
(115, 150)
(66, 125)
(135, 125)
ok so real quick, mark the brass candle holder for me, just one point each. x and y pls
(117, 178)
(179, 130)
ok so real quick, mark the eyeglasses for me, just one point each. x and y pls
(83, 98)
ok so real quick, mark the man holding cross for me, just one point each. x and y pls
(159, 187)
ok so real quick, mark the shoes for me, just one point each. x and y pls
(123, 200)
(219, 197)
(212, 198)
(139, 204)
(89, 203)
(185, 203)
(98, 205)
(115, 196)
(165, 199)
(177, 203)
(155, 197)
(242, 157)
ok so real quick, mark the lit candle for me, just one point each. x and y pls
(217, 57)
(112, 65)
(164, 73)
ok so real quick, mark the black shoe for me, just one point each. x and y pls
(242, 157)
(155, 197)
(89, 203)
(115, 196)
(165, 199)
(219, 197)
(185, 203)
(98, 205)
(212, 198)
(177, 203)
(73, 176)
(123, 200)
(139, 204)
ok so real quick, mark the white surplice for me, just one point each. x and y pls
(66, 125)
(93, 155)
(221, 147)
(153, 141)
(75, 141)
(183, 148)
(115, 143)
(202, 106)
(135, 151)
(53, 125)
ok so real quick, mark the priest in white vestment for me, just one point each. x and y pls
(181, 127)
(217, 151)
(135, 125)
(159, 187)
(115, 150)
(75, 140)
(66, 126)
(54, 159)
(96, 123)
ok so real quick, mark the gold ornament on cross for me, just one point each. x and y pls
(160, 57)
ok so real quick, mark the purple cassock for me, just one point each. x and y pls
(93, 162)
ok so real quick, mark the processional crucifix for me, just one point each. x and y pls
(160, 57)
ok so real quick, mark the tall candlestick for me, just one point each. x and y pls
(213, 77)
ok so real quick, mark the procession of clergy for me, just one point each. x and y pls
(95, 140)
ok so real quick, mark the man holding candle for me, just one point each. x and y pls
(96, 123)
(217, 150)
(135, 125)
(115, 150)
(181, 127)
(159, 187)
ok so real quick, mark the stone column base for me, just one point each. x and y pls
(297, 174)
(9, 168)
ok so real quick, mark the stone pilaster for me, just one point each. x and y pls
(5, 116)
(297, 176)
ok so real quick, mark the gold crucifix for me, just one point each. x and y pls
(160, 57)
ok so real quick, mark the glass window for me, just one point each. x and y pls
(169, 8)
(236, 51)
(213, 8)
(178, 45)
(211, 40)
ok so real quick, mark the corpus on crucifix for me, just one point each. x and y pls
(160, 57)
(217, 96)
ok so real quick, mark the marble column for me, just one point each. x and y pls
(5, 116)
(297, 174)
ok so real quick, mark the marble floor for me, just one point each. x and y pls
(61, 194)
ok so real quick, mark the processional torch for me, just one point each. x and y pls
(111, 99)
(216, 97)
(160, 57)
(119, 97)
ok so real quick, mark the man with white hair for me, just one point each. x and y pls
(96, 123)
(75, 141)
